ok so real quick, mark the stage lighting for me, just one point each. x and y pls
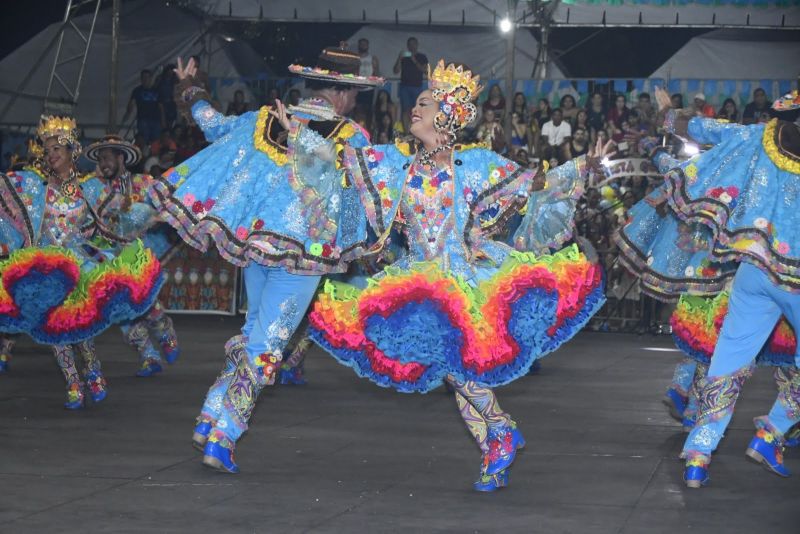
(690, 150)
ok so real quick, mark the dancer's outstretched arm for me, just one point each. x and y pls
(213, 123)
(683, 123)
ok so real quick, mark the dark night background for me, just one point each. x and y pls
(626, 52)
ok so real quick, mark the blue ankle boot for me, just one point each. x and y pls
(503, 445)
(149, 367)
(170, 348)
(74, 396)
(96, 383)
(494, 482)
(792, 438)
(767, 450)
(696, 474)
(291, 375)
(200, 436)
(218, 453)
(675, 403)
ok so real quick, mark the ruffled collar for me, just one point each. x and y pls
(781, 141)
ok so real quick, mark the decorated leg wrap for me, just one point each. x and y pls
(7, 343)
(92, 373)
(293, 366)
(502, 439)
(65, 358)
(484, 401)
(474, 422)
(297, 356)
(160, 324)
(717, 400)
(788, 381)
(138, 337)
(248, 380)
(718, 395)
(693, 401)
(234, 351)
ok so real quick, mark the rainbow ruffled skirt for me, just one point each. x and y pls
(412, 327)
(696, 323)
(44, 293)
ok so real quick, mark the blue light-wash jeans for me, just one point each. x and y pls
(755, 306)
(277, 301)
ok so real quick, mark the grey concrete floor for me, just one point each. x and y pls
(342, 455)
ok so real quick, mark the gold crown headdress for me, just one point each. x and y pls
(455, 88)
(34, 150)
(64, 129)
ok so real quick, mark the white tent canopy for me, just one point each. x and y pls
(151, 35)
(733, 55)
(483, 49)
(484, 12)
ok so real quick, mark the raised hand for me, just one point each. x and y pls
(188, 71)
(599, 153)
(279, 112)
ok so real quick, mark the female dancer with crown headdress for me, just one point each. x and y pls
(460, 307)
(56, 285)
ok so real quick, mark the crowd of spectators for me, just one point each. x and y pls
(544, 132)
(164, 137)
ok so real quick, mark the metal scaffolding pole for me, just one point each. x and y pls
(112, 82)
(511, 39)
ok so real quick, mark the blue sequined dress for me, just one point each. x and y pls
(459, 304)
(57, 284)
(123, 205)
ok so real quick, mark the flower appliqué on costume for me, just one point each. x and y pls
(727, 195)
(200, 208)
(373, 157)
(781, 247)
(691, 172)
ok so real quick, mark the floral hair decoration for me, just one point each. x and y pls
(455, 88)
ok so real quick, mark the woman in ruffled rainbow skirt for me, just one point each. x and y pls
(461, 307)
(56, 284)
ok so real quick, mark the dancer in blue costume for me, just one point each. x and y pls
(461, 307)
(688, 268)
(745, 191)
(270, 198)
(57, 284)
(120, 200)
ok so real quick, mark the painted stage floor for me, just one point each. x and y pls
(342, 455)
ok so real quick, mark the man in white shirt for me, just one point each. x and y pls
(555, 133)
(369, 67)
